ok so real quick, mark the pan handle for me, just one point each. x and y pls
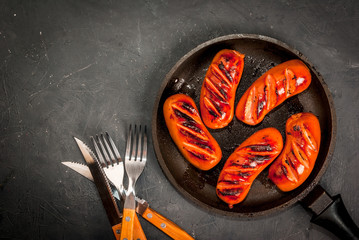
(330, 213)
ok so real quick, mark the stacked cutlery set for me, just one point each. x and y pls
(106, 169)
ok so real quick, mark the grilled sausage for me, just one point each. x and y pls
(271, 89)
(189, 133)
(300, 152)
(219, 88)
(246, 162)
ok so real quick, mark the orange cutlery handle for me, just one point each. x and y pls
(117, 230)
(138, 232)
(165, 225)
(127, 224)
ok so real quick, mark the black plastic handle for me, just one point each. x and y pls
(330, 213)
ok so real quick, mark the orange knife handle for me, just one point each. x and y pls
(165, 225)
(127, 223)
(138, 232)
(117, 230)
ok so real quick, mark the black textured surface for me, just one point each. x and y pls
(76, 68)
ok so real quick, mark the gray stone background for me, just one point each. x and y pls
(76, 68)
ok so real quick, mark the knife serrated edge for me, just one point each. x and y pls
(84, 171)
(93, 161)
(103, 186)
(142, 208)
(80, 168)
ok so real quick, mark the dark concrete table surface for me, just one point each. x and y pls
(76, 68)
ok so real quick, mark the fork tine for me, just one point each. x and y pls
(112, 157)
(106, 157)
(144, 150)
(128, 144)
(113, 145)
(139, 146)
(134, 167)
(134, 145)
(98, 152)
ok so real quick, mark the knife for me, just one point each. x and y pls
(142, 208)
(104, 189)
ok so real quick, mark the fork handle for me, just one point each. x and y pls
(138, 232)
(127, 224)
(166, 225)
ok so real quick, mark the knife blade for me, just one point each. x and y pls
(142, 208)
(94, 170)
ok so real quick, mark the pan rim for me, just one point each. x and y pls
(292, 201)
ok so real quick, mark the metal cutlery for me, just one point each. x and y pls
(112, 164)
(110, 159)
(135, 162)
(142, 206)
(103, 188)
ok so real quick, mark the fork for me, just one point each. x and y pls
(110, 160)
(134, 165)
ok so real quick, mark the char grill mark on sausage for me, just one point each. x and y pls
(309, 139)
(259, 158)
(184, 116)
(188, 107)
(229, 181)
(223, 69)
(300, 155)
(284, 170)
(243, 174)
(260, 148)
(296, 162)
(242, 165)
(218, 93)
(215, 90)
(273, 88)
(230, 192)
(222, 77)
(260, 107)
(201, 144)
(224, 93)
(193, 127)
(289, 169)
(265, 93)
(262, 102)
(291, 159)
(189, 134)
(198, 155)
(213, 113)
(247, 162)
(212, 107)
(219, 87)
(197, 141)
